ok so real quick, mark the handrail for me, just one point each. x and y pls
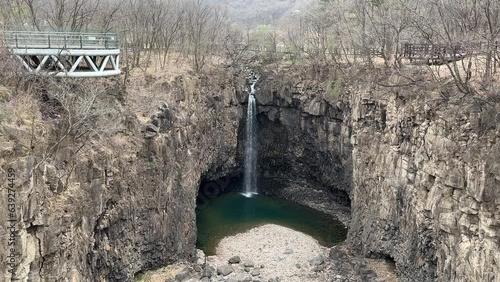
(60, 40)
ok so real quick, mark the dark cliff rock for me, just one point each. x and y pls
(421, 175)
(422, 171)
(127, 204)
(304, 145)
(426, 184)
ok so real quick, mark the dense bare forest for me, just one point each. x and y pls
(368, 33)
(382, 113)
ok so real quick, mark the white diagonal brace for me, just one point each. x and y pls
(42, 63)
(24, 63)
(104, 63)
(113, 62)
(91, 63)
(117, 62)
(61, 66)
(75, 65)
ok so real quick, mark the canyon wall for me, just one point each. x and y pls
(129, 202)
(419, 169)
(426, 182)
(421, 166)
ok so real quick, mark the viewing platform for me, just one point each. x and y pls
(65, 54)
(436, 54)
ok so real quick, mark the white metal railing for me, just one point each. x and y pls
(60, 40)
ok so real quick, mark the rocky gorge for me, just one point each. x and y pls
(414, 172)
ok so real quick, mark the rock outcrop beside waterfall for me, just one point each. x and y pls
(304, 145)
(426, 175)
(128, 204)
(422, 171)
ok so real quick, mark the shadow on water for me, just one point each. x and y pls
(232, 213)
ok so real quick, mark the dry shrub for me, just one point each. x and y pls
(22, 109)
(16, 104)
(5, 94)
(11, 70)
(26, 107)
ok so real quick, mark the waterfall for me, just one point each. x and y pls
(250, 177)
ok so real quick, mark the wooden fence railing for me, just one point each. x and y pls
(434, 53)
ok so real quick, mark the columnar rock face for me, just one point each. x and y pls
(304, 143)
(128, 205)
(426, 184)
(422, 174)
(422, 171)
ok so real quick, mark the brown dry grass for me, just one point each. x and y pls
(149, 87)
(22, 109)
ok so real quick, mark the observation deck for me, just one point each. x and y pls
(65, 54)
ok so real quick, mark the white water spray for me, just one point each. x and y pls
(250, 177)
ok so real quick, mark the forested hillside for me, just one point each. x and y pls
(254, 12)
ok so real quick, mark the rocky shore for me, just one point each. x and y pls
(274, 253)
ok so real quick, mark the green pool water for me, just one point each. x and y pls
(232, 213)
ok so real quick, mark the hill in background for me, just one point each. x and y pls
(255, 12)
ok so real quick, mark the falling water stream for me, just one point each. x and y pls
(250, 177)
(231, 213)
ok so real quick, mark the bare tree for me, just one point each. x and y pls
(235, 44)
(204, 24)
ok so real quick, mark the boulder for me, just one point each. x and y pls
(182, 276)
(235, 259)
(319, 260)
(225, 270)
(255, 272)
(208, 271)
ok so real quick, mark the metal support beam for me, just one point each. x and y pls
(66, 54)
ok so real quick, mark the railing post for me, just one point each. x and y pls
(17, 43)
(49, 39)
(81, 41)
(65, 46)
